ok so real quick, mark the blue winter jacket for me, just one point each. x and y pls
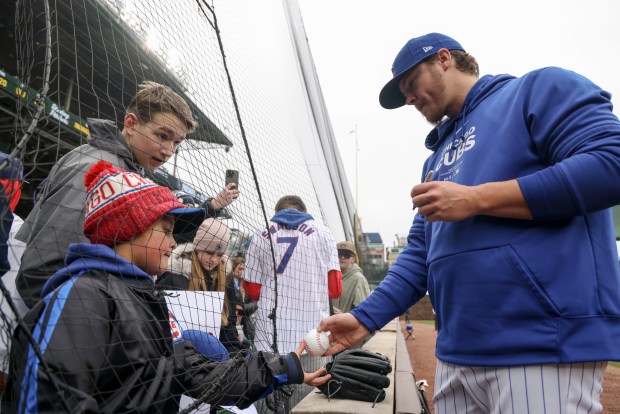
(518, 292)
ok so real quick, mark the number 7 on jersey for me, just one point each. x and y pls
(292, 243)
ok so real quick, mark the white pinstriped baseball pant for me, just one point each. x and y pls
(532, 389)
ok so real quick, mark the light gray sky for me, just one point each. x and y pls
(354, 43)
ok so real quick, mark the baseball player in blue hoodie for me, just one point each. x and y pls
(513, 236)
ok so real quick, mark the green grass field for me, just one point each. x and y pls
(615, 364)
(425, 322)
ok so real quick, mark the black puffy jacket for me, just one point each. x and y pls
(105, 337)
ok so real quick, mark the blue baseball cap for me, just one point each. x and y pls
(414, 52)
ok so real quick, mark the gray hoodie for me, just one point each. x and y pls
(58, 218)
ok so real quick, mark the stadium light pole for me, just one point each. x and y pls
(357, 149)
(355, 218)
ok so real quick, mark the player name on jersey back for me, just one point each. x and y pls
(274, 228)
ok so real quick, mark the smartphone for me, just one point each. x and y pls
(232, 176)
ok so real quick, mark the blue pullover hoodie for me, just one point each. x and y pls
(518, 292)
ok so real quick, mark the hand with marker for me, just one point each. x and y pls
(429, 177)
(444, 200)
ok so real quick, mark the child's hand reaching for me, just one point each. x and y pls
(316, 378)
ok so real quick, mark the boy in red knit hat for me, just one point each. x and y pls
(105, 339)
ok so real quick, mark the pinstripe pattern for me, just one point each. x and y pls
(532, 389)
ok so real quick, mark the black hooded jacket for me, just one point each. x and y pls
(104, 332)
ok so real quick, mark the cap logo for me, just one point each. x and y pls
(112, 187)
(175, 329)
(427, 48)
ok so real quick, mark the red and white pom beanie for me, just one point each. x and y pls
(121, 204)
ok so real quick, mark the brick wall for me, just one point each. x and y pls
(423, 310)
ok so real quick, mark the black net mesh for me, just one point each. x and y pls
(106, 338)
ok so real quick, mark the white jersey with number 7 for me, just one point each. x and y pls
(303, 258)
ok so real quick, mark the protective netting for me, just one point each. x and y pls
(100, 341)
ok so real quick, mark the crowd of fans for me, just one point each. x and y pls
(86, 274)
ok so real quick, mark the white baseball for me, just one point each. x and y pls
(316, 342)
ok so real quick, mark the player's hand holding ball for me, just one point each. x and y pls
(316, 342)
